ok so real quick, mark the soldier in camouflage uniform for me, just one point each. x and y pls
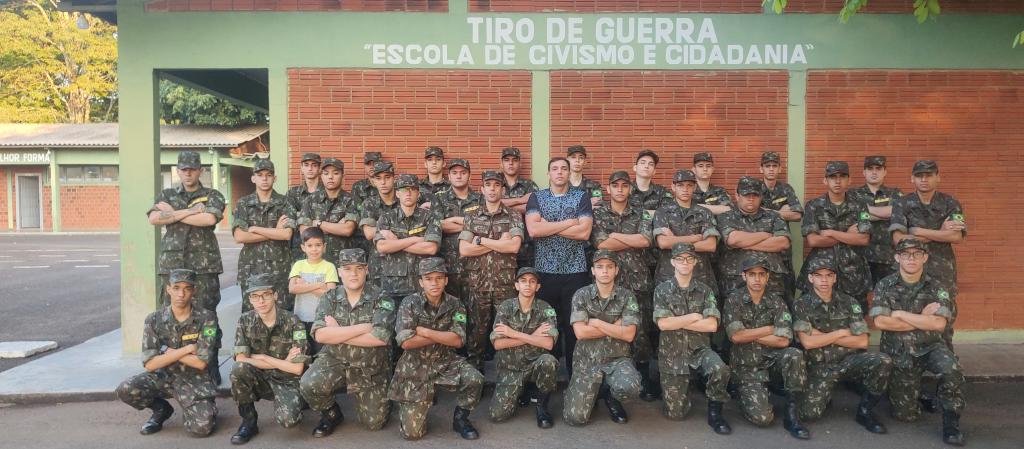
(405, 235)
(270, 354)
(190, 213)
(263, 222)
(605, 318)
(878, 198)
(309, 168)
(749, 230)
(488, 244)
(371, 210)
(364, 188)
(760, 327)
(177, 346)
(355, 324)
(430, 326)
(835, 227)
(624, 228)
(913, 308)
(525, 330)
(434, 182)
(452, 205)
(687, 314)
(517, 193)
(649, 197)
(332, 210)
(683, 222)
(831, 328)
(779, 196)
(577, 156)
(714, 198)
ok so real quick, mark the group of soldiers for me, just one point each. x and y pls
(625, 281)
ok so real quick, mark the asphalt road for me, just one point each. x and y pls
(66, 288)
(992, 421)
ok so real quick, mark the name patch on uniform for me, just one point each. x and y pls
(881, 200)
(549, 312)
(201, 199)
(708, 200)
(210, 331)
(418, 230)
(459, 318)
(779, 200)
(189, 337)
(471, 208)
(299, 335)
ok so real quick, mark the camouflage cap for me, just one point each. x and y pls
(770, 156)
(909, 244)
(310, 157)
(605, 254)
(459, 163)
(261, 281)
(619, 175)
(925, 166)
(703, 157)
(874, 160)
(837, 168)
(821, 263)
(182, 275)
(525, 271)
(754, 262)
(683, 248)
(189, 159)
(372, 156)
(351, 256)
(648, 153)
(748, 186)
(433, 151)
(510, 151)
(406, 181)
(333, 162)
(382, 166)
(492, 175)
(683, 176)
(432, 265)
(262, 164)
(575, 149)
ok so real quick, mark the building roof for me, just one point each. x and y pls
(105, 135)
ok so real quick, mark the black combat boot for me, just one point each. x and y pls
(715, 419)
(161, 411)
(328, 421)
(951, 433)
(528, 394)
(544, 420)
(865, 416)
(650, 390)
(462, 426)
(615, 409)
(248, 429)
(929, 403)
(791, 421)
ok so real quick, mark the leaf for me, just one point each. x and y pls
(1019, 39)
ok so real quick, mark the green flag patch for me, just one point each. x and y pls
(460, 317)
(299, 335)
(210, 331)
(549, 312)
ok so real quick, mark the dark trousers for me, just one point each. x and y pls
(557, 290)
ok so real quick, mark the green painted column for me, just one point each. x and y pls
(277, 80)
(10, 198)
(796, 159)
(458, 7)
(54, 193)
(540, 126)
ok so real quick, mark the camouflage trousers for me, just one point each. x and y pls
(481, 307)
(412, 415)
(250, 384)
(199, 410)
(543, 372)
(645, 345)
(327, 375)
(285, 300)
(674, 387)
(623, 382)
(870, 369)
(786, 364)
(905, 383)
(207, 296)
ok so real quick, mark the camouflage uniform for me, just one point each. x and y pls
(653, 199)
(421, 370)
(879, 251)
(398, 270)
(363, 190)
(296, 196)
(914, 352)
(774, 198)
(337, 210)
(682, 350)
(363, 370)
(192, 388)
(370, 211)
(448, 205)
(269, 257)
(527, 363)
(830, 364)
(686, 221)
(192, 248)
(754, 364)
(490, 277)
(522, 187)
(593, 188)
(714, 196)
(250, 384)
(604, 359)
(429, 190)
(854, 275)
(732, 258)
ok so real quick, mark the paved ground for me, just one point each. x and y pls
(65, 287)
(992, 421)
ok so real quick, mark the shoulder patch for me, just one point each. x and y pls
(459, 317)
(595, 193)
(386, 304)
(856, 308)
(957, 217)
(299, 335)
(943, 294)
(786, 317)
(865, 216)
(549, 312)
(648, 215)
(210, 331)
(668, 194)
(632, 306)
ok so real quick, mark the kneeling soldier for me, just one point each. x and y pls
(525, 330)
(270, 354)
(431, 326)
(831, 328)
(354, 324)
(605, 318)
(177, 343)
(687, 314)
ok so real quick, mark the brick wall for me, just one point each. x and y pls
(968, 122)
(735, 115)
(907, 6)
(90, 207)
(298, 5)
(471, 114)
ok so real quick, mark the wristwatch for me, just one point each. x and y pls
(477, 239)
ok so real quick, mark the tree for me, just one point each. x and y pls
(51, 70)
(181, 105)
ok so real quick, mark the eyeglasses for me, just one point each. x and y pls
(686, 259)
(912, 255)
(257, 297)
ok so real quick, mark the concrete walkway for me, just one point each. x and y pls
(93, 369)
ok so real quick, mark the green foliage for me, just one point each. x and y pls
(185, 105)
(1018, 39)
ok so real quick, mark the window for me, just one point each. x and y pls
(88, 174)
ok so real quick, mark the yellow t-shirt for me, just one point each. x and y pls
(306, 303)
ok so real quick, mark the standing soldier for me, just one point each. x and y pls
(270, 354)
(177, 346)
(779, 196)
(646, 194)
(912, 308)
(604, 317)
(431, 325)
(577, 157)
(714, 198)
(372, 208)
(682, 222)
(354, 323)
(434, 182)
(517, 193)
(263, 223)
(365, 188)
(760, 327)
(452, 205)
(309, 168)
(624, 228)
(836, 226)
(686, 311)
(878, 198)
(190, 213)
(488, 245)
(750, 230)
(525, 330)
(404, 236)
(332, 210)
(832, 331)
